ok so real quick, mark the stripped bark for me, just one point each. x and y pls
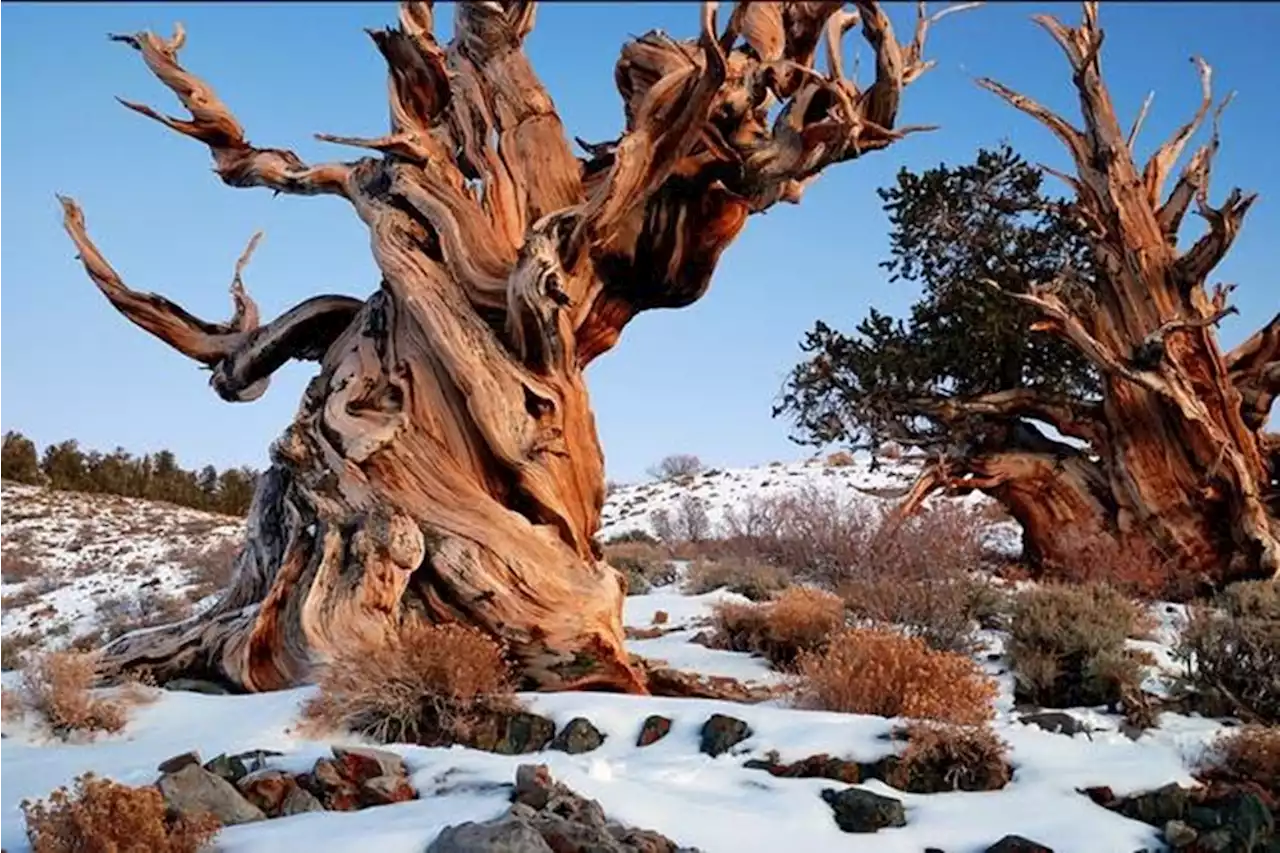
(444, 464)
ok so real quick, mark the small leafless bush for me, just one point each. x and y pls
(881, 672)
(24, 597)
(57, 686)
(840, 459)
(676, 465)
(949, 758)
(815, 534)
(16, 565)
(800, 619)
(1067, 645)
(757, 581)
(210, 569)
(104, 816)
(690, 522)
(430, 684)
(1232, 651)
(120, 614)
(14, 647)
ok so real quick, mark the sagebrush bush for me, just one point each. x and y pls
(949, 758)
(14, 647)
(427, 684)
(103, 816)
(799, 620)
(645, 565)
(814, 534)
(1249, 755)
(755, 580)
(1232, 651)
(882, 672)
(57, 686)
(1067, 645)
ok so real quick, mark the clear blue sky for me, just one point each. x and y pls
(697, 380)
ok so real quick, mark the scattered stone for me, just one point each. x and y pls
(660, 617)
(256, 759)
(1156, 807)
(1055, 722)
(1100, 794)
(177, 762)
(676, 683)
(299, 801)
(857, 810)
(194, 789)
(578, 736)
(334, 791)
(720, 733)
(385, 790)
(358, 763)
(654, 728)
(821, 766)
(1017, 844)
(267, 789)
(229, 767)
(546, 816)
(1178, 834)
(517, 734)
(505, 835)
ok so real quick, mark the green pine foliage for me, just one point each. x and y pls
(155, 476)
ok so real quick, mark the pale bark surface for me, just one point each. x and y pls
(444, 463)
(1176, 449)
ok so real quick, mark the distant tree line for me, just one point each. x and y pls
(154, 476)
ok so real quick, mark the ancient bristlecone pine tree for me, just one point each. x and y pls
(444, 464)
(1171, 450)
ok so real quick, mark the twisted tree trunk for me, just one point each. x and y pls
(444, 464)
(1176, 449)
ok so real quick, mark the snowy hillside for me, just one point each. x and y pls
(68, 556)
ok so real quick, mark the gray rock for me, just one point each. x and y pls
(721, 733)
(193, 789)
(299, 801)
(361, 763)
(578, 736)
(177, 762)
(1055, 722)
(857, 810)
(1017, 844)
(1178, 834)
(229, 767)
(505, 835)
(654, 728)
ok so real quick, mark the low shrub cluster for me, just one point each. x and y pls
(427, 684)
(799, 620)
(1232, 650)
(57, 686)
(104, 816)
(756, 580)
(645, 565)
(941, 758)
(1249, 755)
(1067, 646)
(881, 672)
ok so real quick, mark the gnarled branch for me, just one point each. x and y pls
(242, 354)
(238, 163)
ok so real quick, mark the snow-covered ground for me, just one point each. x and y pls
(715, 804)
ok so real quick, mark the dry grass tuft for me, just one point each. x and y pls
(882, 672)
(14, 647)
(1232, 653)
(428, 684)
(949, 758)
(103, 816)
(799, 620)
(1067, 646)
(57, 686)
(756, 580)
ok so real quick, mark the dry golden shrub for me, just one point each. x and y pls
(882, 672)
(1247, 755)
(756, 580)
(57, 686)
(427, 684)
(800, 619)
(949, 758)
(1067, 645)
(103, 816)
